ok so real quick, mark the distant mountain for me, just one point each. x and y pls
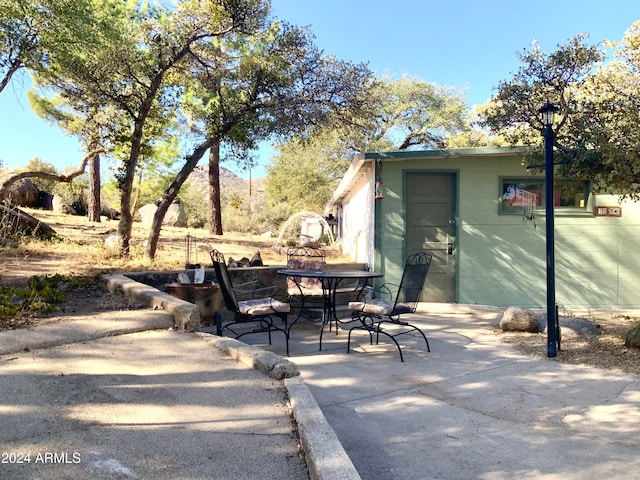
(229, 183)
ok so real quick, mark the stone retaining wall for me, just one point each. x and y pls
(149, 287)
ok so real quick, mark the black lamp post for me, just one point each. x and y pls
(546, 116)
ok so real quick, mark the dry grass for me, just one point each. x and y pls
(82, 250)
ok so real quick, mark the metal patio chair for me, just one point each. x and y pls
(305, 292)
(376, 314)
(259, 308)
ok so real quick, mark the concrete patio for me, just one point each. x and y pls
(473, 408)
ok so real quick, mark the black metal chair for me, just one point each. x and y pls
(305, 293)
(377, 314)
(260, 307)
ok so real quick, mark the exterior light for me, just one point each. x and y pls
(546, 114)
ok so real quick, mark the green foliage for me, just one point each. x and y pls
(596, 92)
(39, 297)
(235, 200)
(253, 221)
(304, 173)
(396, 114)
(194, 202)
(412, 113)
(37, 164)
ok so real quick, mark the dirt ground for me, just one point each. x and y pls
(82, 253)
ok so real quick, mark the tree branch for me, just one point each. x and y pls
(6, 184)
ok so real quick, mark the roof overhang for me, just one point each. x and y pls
(364, 162)
(446, 153)
(359, 168)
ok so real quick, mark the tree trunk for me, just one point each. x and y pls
(125, 224)
(94, 189)
(136, 199)
(170, 194)
(215, 213)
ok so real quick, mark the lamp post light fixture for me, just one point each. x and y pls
(546, 116)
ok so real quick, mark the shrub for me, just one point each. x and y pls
(39, 297)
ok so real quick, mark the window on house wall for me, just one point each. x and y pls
(529, 192)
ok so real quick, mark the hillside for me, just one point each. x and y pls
(230, 183)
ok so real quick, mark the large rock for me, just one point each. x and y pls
(60, 205)
(14, 219)
(175, 216)
(23, 193)
(45, 201)
(519, 319)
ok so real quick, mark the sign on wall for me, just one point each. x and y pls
(608, 211)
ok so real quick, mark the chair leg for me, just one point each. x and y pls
(283, 317)
(404, 324)
(266, 325)
(379, 331)
(321, 332)
(425, 338)
(359, 328)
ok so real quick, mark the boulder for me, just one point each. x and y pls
(23, 193)
(59, 205)
(175, 216)
(147, 212)
(256, 260)
(45, 201)
(15, 219)
(519, 319)
(112, 242)
(109, 213)
(576, 328)
(571, 328)
(7, 243)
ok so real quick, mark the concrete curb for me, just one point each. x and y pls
(266, 362)
(326, 458)
(98, 326)
(185, 314)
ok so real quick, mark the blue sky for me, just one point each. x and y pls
(466, 44)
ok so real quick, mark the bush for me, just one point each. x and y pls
(632, 339)
(39, 297)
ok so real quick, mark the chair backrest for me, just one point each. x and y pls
(224, 280)
(413, 278)
(305, 258)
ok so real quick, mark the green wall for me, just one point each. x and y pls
(500, 260)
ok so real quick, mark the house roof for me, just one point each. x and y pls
(363, 163)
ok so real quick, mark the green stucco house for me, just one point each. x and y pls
(480, 213)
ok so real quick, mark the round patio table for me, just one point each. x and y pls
(330, 280)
